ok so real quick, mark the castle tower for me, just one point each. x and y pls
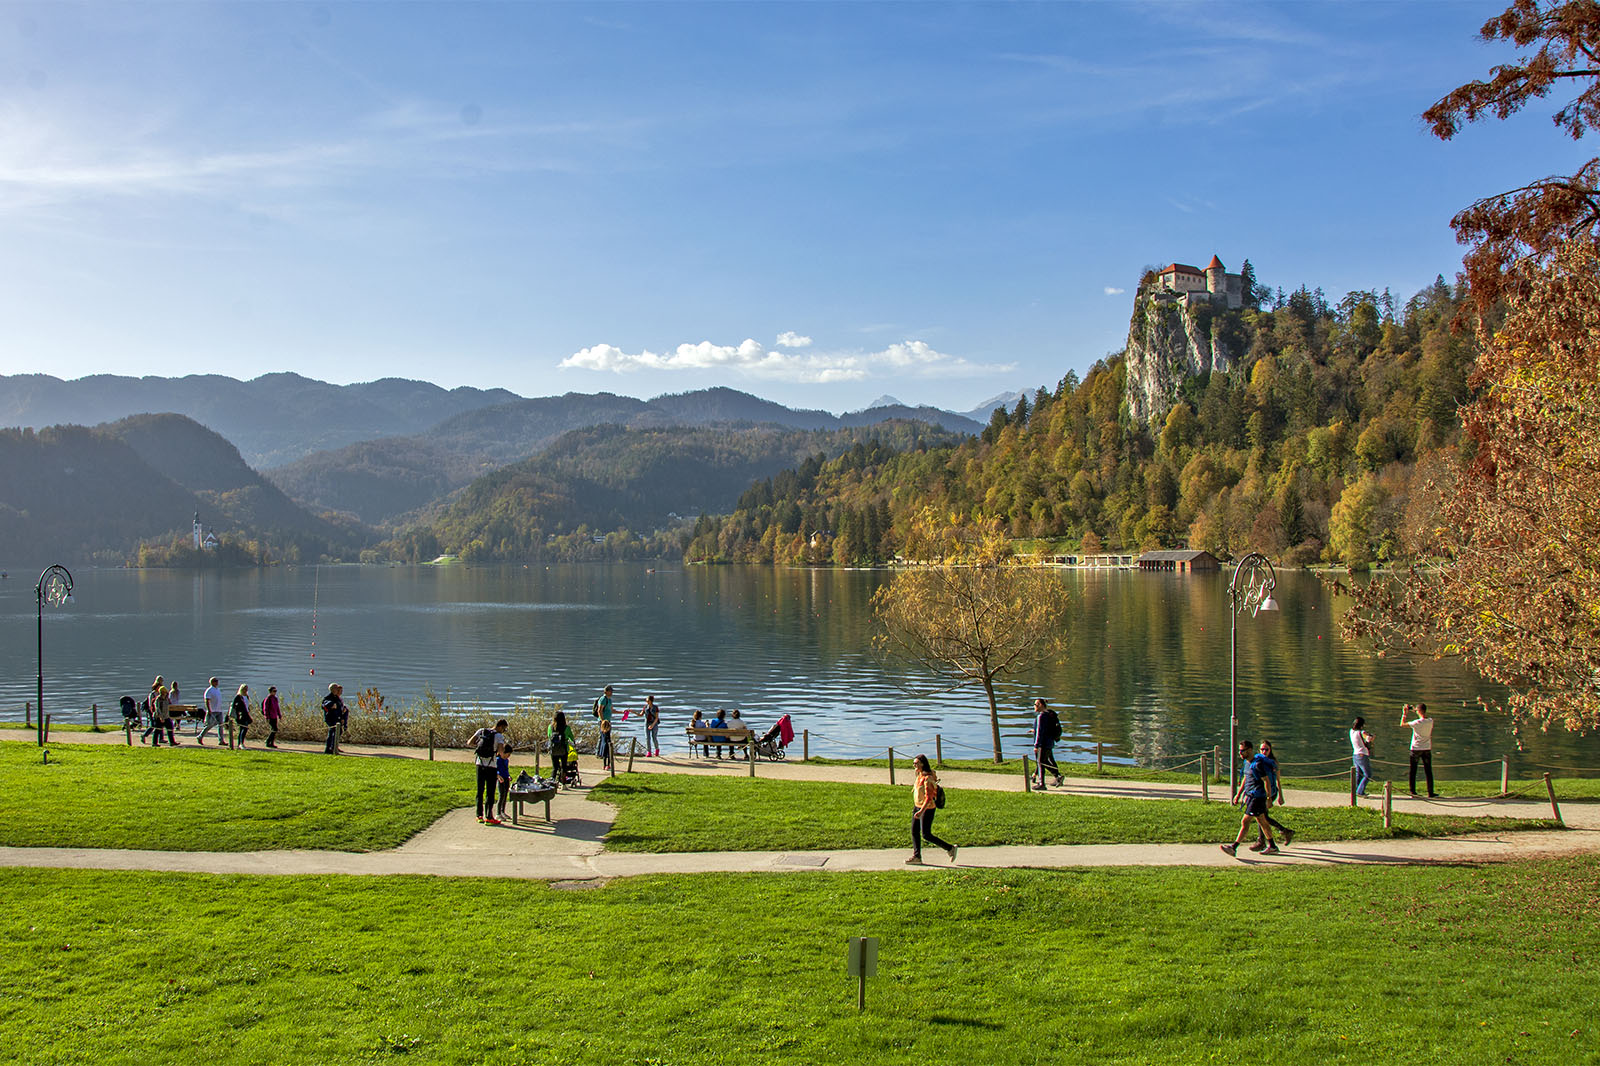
(1216, 276)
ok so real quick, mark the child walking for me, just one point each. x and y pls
(502, 776)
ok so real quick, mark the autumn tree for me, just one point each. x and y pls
(1514, 587)
(972, 615)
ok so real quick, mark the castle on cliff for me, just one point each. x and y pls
(1179, 281)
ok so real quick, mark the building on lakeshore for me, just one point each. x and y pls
(1184, 561)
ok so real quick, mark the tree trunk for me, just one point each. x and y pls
(994, 716)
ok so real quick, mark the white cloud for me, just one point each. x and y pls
(1112, 290)
(912, 358)
(790, 339)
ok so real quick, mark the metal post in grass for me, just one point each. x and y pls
(1100, 757)
(1505, 775)
(1352, 786)
(1550, 788)
(1388, 805)
(1027, 778)
(805, 745)
(1205, 782)
(938, 749)
(891, 766)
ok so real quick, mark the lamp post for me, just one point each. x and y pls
(55, 588)
(1250, 590)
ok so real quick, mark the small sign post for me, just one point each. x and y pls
(861, 963)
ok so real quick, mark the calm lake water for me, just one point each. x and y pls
(1146, 672)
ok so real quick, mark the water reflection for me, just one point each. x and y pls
(1145, 671)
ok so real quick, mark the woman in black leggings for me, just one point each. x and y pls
(924, 799)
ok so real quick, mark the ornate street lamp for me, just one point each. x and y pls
(1250, 590)
(54, 588)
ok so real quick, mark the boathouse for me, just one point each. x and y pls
(1183, 561)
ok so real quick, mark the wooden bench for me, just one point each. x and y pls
(730, 737)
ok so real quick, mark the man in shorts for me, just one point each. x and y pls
(1254, 789)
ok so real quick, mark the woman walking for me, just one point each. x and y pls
(273, 711)
(241, 711)
(562, 743)
(925, 800)
(652, 727)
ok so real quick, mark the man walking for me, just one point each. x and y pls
(213, 700)
(333, 714)
(1046, 731)
(487, 744)
(1421, 745)
(1253, 789)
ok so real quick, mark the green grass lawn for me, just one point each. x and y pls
(680, 812)
(1573, 788)
(1450, 964)
(206, 799)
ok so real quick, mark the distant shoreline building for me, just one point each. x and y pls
(1179, 281)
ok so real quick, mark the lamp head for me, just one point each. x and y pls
(1268, 604)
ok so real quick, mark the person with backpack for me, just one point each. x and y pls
(486, 745)
(562, 743)
(602, 711)
(333, 715)
(926, 797)
(240, 709)
(1046, 731)
(1253, 789)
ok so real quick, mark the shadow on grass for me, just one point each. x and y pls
(968, 1023)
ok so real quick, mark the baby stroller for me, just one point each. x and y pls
(564, 766)
(770, 744)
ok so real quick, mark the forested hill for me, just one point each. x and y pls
(130, 490)
(1314, 445)
(611, 491)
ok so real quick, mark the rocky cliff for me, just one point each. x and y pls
(1169, 340)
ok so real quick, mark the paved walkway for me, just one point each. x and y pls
(571, 848)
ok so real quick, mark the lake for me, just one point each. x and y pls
(1146, 672)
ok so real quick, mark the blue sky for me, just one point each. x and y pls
(818, 203)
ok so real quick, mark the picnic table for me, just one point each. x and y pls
(533, 795)
(728, 736)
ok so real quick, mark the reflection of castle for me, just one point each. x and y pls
(1182, 282)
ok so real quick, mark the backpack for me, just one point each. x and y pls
(1054, 723)
(596, 711)
(241, 709)
(938, 797)
(485, 746)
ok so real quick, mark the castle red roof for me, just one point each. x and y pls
(1215, 264)
(1180, 268)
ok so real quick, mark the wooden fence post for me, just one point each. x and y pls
(127, 729)
(94, 711)
(633, 749)
(1099, 757)
(938, 749)
(1205, 782)
(1550, 788)
(1216, 762)
(1027, 778)
(430, 745)
(27, 713)
(1352, 786)
(891, 766)
(1388, 805)
(50, 716)
(750, 755)
(805, 745)
(1505, 775)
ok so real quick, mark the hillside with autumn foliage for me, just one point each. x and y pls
(1325, 442)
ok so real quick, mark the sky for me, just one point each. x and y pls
(817, 203)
